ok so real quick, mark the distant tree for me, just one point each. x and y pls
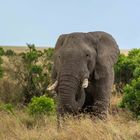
(9, 52)
(1, 61)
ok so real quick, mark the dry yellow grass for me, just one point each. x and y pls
(119, 126)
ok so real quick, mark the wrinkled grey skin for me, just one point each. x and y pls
(79, 56)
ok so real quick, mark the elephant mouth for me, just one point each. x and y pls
(69, 97)
(80, 96)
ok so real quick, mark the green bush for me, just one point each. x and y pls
(124, 69)
(127, 73)
(1, 51)
(9, 52)
(49, 53)
(27, 74)
(1, 61)
(134, 53)
(136, 72)
(7, 107)
(31, 71)
(36, 71)
(1, 69)
(127, 68)
(41, 105)
(131, 97)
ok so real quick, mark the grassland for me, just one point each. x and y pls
(120, 125)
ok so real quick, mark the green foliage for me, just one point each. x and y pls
(9, 52)
(27, 74)
(41, 105)
(1, 70)
(31, 71)
(1, 51)
(32, 55)
(8, 108)
(136, 72)
(1, 61)
(131, 97)
(124, 69)
(128, 68)
(49, 53)
(134, 53)
(37, 71)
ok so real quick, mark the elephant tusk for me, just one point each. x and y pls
(85, 83)
(53, 86)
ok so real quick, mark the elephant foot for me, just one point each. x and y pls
(100, 110)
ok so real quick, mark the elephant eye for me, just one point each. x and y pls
(87, 55)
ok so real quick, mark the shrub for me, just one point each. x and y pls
(134, 53)
(131, 97)
(1, 61)
(41, 105)
(49, 53)
(136, 72)
(1, 70)
(127, 68)
(8, 108)
(9, 52)
(36, 72)
(1, 51)
(124, 69)
(31, 71)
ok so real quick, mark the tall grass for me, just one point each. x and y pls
(119, 126)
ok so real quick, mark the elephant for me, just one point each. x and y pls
(83, 73)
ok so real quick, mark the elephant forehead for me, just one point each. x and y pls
(72, 53)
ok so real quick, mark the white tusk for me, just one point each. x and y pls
(85, 83)
(53, 86)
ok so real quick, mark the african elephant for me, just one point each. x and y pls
(83, 72)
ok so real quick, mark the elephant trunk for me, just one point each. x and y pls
(71, 94)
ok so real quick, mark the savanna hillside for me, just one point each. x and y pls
(27, 109)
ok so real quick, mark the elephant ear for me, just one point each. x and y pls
(107, 54)
(60, 41)
(58, 45)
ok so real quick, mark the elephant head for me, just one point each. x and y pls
(78, 58)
